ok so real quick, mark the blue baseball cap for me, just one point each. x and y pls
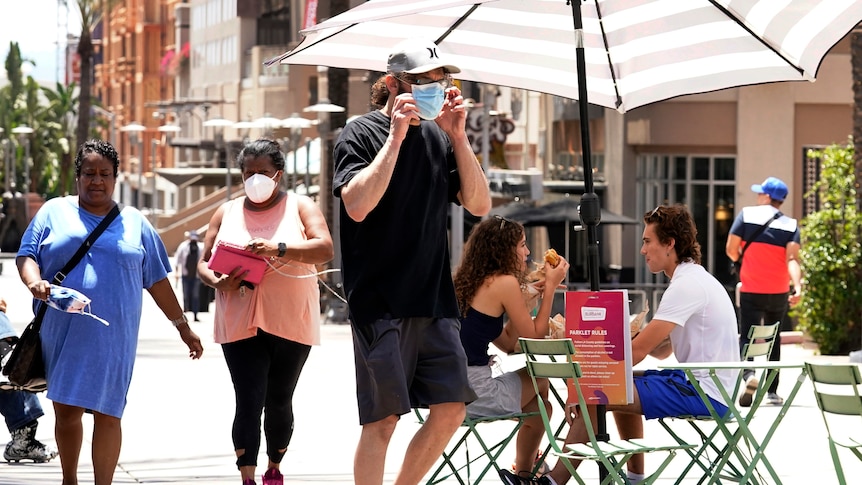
(773, 187)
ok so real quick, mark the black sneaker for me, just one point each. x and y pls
(25, 446)
(510, 478)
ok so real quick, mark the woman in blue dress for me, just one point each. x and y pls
(491, 283)
(89, 364)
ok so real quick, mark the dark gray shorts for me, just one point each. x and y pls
(407, 363)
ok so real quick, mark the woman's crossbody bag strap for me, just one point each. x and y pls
(61, 275)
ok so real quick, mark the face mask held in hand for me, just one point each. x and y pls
(70, 301)
(259, 187)
(429, 99)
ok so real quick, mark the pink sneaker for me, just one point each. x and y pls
(273, 477)
(249, 481)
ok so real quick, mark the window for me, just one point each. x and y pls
(706, 184)
(810, 176)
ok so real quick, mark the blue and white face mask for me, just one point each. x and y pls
(70, 301)
(429, 99)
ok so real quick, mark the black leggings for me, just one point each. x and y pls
(264, 370)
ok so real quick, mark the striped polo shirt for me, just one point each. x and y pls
(764, 266)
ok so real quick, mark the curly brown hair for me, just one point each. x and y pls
(379, 92)
(490, 250)
(675, 222)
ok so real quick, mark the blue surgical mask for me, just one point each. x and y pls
(429, 99)
(70, 301)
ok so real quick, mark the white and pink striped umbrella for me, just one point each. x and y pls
(637, 52)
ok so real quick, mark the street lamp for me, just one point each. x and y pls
(323, 109)
(268, 123)
(24, 133)
(219, 125)
(167, 131)
(244, 127)
(135, 138)
(295, 123)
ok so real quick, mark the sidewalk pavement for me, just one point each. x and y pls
(177, 424)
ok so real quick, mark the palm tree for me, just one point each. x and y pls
(91, 14)
(63, 108)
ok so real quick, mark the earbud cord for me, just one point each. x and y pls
(311, 274)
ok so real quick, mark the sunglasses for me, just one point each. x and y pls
(502, 220)
(445, 82)
(656, 214)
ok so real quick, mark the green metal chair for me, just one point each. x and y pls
(471, 434)
(613, 455)
(761, 338)
(838, 392)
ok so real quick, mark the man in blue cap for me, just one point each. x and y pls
(766, 243)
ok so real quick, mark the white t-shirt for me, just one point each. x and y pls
(706, 323)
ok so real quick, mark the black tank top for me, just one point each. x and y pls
(477, 331)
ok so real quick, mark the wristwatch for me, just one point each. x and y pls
(282, 248)
(179, 321)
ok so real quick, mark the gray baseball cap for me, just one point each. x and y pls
(415, 56)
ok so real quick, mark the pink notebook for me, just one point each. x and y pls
(227, 256)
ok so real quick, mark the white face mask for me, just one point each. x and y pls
(259, 187)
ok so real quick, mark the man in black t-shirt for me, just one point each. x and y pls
(396, 171)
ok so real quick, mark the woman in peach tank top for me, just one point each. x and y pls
(267, 329)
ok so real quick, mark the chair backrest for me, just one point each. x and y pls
(562, 366)
(843, 395)
(761, 338)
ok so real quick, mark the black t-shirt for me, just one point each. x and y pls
(395, 263)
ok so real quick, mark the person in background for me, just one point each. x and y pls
(20, 409)
(770, 261)
(489, 283)
(266, 330)
(397, 169)
(694, 321)
(188, 256)
(126, 259)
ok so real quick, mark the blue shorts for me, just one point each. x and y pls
(408, 363)
(667, 393)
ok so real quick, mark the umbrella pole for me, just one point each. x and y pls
(567, 251)
(590, 209)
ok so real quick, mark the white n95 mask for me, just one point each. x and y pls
(259, 187)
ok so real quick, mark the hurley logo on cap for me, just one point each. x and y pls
(415, 56)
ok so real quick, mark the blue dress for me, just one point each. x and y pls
(88, 364)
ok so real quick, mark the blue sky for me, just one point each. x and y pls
(37, 26)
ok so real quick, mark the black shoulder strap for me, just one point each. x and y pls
(757, 233)
(61, 275)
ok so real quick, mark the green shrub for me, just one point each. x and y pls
(831, 304)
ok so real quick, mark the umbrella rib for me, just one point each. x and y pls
(730, 15)
(301, 48)
(455, 25)
(608, 52)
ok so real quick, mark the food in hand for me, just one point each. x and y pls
(552, 258)
(537, 274)
(637, 322)
(557, 327)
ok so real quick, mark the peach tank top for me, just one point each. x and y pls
(281, 305)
